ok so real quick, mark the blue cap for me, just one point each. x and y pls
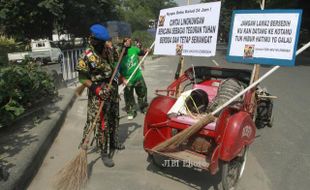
(100, 32)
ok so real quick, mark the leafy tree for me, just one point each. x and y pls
(30, 18)
(137, 17)
(34, 19)
(146, 38)
(156, 6)
(139, 12)
(80, 14)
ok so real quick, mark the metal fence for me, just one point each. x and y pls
(68, 64)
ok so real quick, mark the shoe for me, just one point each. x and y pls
(131, 116)
(143, 108)
(107, 161)
(118, 146)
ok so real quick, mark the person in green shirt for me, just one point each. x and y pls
(129, 63)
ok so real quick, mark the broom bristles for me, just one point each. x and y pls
(175, 141)
(74, 174)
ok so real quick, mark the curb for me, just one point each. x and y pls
(27, 167)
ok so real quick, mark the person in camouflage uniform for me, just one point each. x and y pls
(95, 67)
(128, 65)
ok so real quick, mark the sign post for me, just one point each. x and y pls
(256, 68)
(180, 67)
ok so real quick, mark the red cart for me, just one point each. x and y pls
(219, 146)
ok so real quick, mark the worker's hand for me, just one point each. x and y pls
(125, 82)
(122, 80)
(102, 91)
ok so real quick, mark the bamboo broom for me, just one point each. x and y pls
(74, 174)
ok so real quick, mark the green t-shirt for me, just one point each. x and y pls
(129, 63)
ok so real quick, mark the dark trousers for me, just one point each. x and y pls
(140, 88)
(110, 114)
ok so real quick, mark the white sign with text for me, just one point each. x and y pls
(188, 30)
(264, 37)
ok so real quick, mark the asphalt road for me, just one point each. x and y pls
(279, 158)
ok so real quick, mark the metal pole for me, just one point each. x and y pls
(262, 5)
(180, 67)
(256, 68)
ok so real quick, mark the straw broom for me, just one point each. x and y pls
(74, 174)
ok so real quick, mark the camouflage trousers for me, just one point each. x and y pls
(110, 115)
(140, 88)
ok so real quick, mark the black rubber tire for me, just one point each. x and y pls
(232, 171)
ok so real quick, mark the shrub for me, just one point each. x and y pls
(21, 87)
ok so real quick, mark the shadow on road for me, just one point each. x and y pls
(13, 139)
(126, 129)
(91, 165)
(18, 138)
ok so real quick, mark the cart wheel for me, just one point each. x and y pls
(233, 170)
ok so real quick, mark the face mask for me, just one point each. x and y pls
(99, 47)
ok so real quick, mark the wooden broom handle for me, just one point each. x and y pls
(85, 142)
(117, 65)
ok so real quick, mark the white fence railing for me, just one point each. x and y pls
(68, 64)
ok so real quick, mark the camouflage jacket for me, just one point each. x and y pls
(97, 67)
